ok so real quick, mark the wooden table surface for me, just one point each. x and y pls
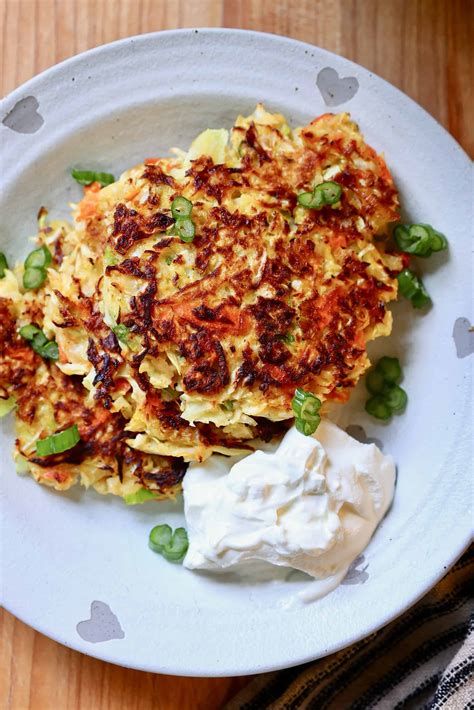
(421, 46)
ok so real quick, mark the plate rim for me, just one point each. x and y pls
(6, 103)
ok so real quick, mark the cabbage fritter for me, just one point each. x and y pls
(180, 349)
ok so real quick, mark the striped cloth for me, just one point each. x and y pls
(422, 661)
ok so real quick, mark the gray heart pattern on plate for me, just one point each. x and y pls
(24, 116)
(356, 574)
(334, 89)
(103, 625)
(463, 335)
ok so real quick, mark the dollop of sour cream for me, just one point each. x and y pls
(312, 504)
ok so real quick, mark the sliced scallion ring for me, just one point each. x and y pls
(420, 238)
(306, 407)
(185, 229)
(395, 397)
(438, 241)
(58, 442)
(39, 258)
(306, 199)
(3, 264)
(29, 331)
(50, 350)
(172, 545)
(377, 407)
(181, 207)
(87, 177)
(389, 368)
(331, 192)
(412, 288)
(33, 278)
(375, 382)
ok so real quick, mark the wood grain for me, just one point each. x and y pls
(422, 46)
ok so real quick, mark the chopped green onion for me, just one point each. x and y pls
(326, 193)
(172, 545)
(39, 342)
(375, 382)
(228, 405)
(378, 407)
(288, 338)
(181, 207)
(395, 397)
(39, 258)
(306, 407)
(389, 368)
(388, 396)
(87, 177)
(29, 331)
(49, 351)
(419, 239)
(59, 442)
(140, 496)
(122, 332)
(412, 288)
(170, 258)
(3, 264)
(438, 241)
(33, 278)
(311, 200)
(331, 192)
(185, 229)
(6, 405)
(110, 258)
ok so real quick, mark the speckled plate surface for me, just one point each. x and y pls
(76, 566)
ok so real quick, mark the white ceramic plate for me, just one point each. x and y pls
(109, 108)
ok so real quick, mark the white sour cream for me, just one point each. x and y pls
(312, 504)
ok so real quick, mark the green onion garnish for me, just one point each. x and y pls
(389, 368)
(395, 397)
(110, 258)
(29, 331)
(326, 193)
(39, 342)
(3, 264)
(33, 278)
(378, 407)
(419, 239)
(331, 192)
(181, 207)
(388, 397)
(306, 408)
(122, 332)
(228, 405)
(40, 258)
(375, 382)
(59, 442)
(140, 496)
(412, 288)
(49, 351)
(185, 229)
(288, 338)
(311, 200)
(87, 177)
(172, 545)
